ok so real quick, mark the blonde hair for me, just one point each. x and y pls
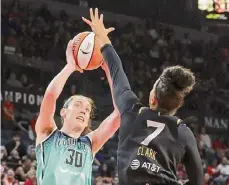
(92, 113)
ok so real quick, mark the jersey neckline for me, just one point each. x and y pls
(68, 135)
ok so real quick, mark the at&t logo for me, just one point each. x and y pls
(135, 164)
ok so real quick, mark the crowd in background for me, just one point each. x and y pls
(148, 47)
(145, 51)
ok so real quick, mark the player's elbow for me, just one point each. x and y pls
(196, 178)
(116, 118)
(49, 94)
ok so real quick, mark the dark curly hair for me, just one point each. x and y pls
(172, 86)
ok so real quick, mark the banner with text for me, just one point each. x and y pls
(216, 124)
(22, 97)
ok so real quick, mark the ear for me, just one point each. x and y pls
(154, 101)
(63, 112)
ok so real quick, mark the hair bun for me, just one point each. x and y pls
(178, 77)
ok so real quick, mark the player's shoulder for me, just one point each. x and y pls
(149, 114)
(50, 138)
(145, 111)
(185, 133)
(183, 128)
(87, 139)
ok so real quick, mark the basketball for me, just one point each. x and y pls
(86, 52)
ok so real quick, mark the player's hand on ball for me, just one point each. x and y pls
(70, 58)
(97, 26)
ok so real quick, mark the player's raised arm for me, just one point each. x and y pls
(110, 125)
(123, 95)
(105, 131)
(108, 75)
(45, 123)
(192, 161)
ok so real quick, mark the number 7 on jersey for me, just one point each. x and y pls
(159, 128)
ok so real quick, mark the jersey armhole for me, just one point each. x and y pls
(49, 136)
(90, 136)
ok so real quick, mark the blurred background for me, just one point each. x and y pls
(150, 35)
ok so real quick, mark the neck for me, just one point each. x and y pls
(75, 132)
(162, 111)
(165, 112)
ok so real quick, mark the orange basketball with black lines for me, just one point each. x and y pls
(86, 51)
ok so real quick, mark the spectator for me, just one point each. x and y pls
(13, 159)
(16, 144)
(31, 180)
(12, 81)
(186, 40)
(205, 138)
(212, 169)
(4, 167)
(115, 181)
(207, 179)
(8, 108)
(25, 82)
(99, 181)
(3, 153)
(219, 144)
(105, 171)
(10, 177)
(24, 168)
(223, 169)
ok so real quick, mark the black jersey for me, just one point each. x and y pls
(150, 145)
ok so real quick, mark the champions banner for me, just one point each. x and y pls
(22, 97)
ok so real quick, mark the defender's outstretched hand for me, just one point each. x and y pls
(70, 58)
(97, 26)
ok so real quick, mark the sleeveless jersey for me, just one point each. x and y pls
(63, 160)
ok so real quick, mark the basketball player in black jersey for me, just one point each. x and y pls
(152, 141)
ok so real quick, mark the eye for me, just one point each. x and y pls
(87, 110)
(77, 104)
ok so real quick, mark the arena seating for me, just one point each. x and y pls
(33, 51)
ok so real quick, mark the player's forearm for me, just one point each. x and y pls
(110, 125)
(105, 131)
(108, 75)
(57, 84)
(123, 96)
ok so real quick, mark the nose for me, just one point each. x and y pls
(83, 112)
